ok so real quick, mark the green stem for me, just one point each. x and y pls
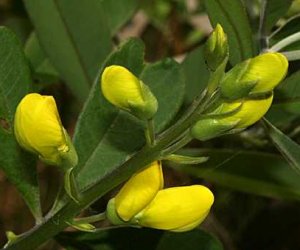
(149, 132)
(262, 33)
(292, 55)
(91, 219)
(286, 41)
(177, 145)
(54, 223)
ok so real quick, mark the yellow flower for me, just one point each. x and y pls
(257, 75)
(139, 190)
(38, 128)
(244, 114)
(177, 209)
(124, 90)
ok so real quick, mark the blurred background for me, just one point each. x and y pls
(245, 217)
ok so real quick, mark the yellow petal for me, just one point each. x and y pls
(121, 87)
(177, 209)
(139, 190)
(38, 127)
(250, 112)
(268, 69)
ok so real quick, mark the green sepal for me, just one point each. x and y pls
(216, 76)
(216, 48)
(232, 86)
(259, 96)
(70, 185)
(82, 226)
(69, 158)
(149, 108)
(111, 213)
(206, 129)
(11, 237)
(183, 159)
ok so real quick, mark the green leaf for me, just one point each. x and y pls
(231, 14)
(76, 48)
(15, 82)
(118, 12)
(275, 9)
(289, 28)
(247, 171)
(287, 147)
(286, 105)
(195, 83)
(105, 137)
(114, 239)
(189, 241)
(43, 70)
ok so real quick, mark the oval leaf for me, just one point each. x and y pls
(76, 49)
(15, 82)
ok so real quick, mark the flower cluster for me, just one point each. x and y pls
(246, 92)
(143, 201)
(236, 99)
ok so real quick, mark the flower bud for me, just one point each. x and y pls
(216, 48)
(177, 209)
(247, 113)
(138, 191)
(38, 129)
(257, 75)
(124, 90)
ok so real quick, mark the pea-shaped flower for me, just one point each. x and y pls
(38, 129)
(137, 192)
(177, 209)
(247, 113)
(124, 90)
(257, 75)
(143, 202)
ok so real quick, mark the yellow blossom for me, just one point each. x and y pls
(244, 114)
(38, 128)
(177, 209)
(124, 90)
(257, 75)
(139, 190)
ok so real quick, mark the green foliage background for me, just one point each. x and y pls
(60, 48)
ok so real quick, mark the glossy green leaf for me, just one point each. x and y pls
(15, 82)
(76, 48)
(288, 148)
(196, 239)
(195, 82)
(275, 9)
(118, 12)
(105, 136)
(247, 171)
(231, 14)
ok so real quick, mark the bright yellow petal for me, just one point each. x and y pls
(139, 191)
(38, 127)
(121, 87)
(268, 69)
(178, 208)
(251, 111)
